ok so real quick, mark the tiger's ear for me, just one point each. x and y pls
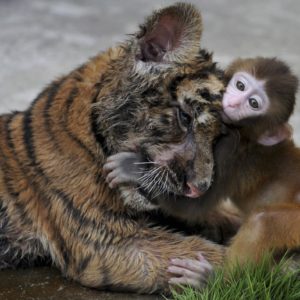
(171, 34)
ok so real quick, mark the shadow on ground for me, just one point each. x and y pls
(47, 283)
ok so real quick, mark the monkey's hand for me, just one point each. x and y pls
(123, 167)
(191, 272)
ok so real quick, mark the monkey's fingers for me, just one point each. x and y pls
(110, 166)
(191, 271)
(205, 263)
(111, 177)
(189, 264)
(194, 265)
(120, 156)
(117, 181)
(180, 271)
(116, 177)
(202, 274)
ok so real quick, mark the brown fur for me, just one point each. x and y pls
(53, 197)
(263, 182)
(267, 190)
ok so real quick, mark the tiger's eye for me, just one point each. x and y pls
(240, 86)
(253, 103)
(184, 118)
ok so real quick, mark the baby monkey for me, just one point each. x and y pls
(259, 172)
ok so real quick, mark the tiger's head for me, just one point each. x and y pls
(161, 96)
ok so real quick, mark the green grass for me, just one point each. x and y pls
(249, 283)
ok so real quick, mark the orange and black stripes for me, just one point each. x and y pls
(9, 180)
(34, 166)
(47, 118)
(54, 200)
(70, 100)
(21, 203)
(95, 126)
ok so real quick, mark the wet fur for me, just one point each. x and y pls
(53, 197)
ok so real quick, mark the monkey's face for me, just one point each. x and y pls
(177, 139)
(245, 97)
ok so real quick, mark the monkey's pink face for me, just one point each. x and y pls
(245, 97)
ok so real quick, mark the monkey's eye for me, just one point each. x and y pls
(184, 118)
(253, 103)
(240, 86)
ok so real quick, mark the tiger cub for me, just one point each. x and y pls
(54, 201)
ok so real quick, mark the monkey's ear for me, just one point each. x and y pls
(170, 34)
(278, 135)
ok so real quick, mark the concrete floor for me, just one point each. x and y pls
(41, 39)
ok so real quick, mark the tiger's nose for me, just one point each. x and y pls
(195, 191)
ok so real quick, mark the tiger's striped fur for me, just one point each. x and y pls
(53, 197)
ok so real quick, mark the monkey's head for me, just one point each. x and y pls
(165, 104)
(260, 95)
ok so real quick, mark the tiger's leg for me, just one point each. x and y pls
(18, 247)
(273, 228)
(140, 263)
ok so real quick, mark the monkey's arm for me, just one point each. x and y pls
(221, 223)
(272, 228)
(123, 167)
